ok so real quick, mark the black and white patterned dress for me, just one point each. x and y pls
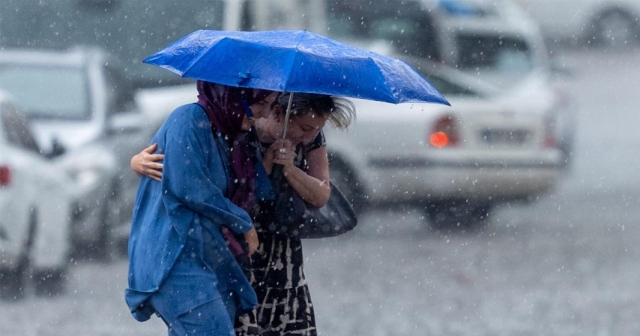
(284, 303)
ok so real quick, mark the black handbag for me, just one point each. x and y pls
(289, 214)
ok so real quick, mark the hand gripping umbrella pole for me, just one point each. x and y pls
(277, 171)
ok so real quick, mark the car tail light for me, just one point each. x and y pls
(444, 133)
(5, 175)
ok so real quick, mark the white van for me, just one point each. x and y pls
(491, 39)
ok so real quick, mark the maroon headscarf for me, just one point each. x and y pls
(224, 108)
(223, 105)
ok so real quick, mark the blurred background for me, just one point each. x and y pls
(513, 212)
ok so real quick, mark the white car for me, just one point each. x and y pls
(500, 145)
(85, 108)
(35, 203)
(597, 22)
(457, 162)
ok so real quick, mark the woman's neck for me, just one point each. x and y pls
(262, 130)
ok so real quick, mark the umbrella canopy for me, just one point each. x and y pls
(294, 61)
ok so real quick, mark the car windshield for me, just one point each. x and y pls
(445, 84)
(407, 27)
(500, 60)
(48, 92)
(448, 88)
(491, 55)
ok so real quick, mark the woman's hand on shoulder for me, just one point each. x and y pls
(146, 163)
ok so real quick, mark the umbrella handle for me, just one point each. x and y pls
(277, 174)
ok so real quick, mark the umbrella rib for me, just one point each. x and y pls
(297, 45)
(201, 55)
(379, 72)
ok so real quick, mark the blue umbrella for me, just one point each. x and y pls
(294, 61)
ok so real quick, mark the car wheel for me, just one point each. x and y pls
(458, 215)
(614, 28)
(345, 179)
(106, 246)
(13, 281)
(50, 282)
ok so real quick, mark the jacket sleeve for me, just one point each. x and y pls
(188, 178)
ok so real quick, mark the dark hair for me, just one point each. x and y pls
(340, 112)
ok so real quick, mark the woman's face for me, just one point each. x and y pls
(304, 128)
(260, 109)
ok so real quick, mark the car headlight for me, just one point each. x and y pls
(85, 177)
(89, 166)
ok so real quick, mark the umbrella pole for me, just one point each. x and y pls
(277, 172)
(286, 117)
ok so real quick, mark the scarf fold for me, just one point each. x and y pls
(224, 107)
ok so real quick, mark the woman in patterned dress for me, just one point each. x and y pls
(277, 268)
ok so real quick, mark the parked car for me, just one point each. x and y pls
(35, 204)
(457, 162)
(80, 102)
(594, 22)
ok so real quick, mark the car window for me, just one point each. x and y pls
(445, 83)
(17, 129)
(408, 27)
(493, 52)
(449, 88)
(120, 93)
(44, 92)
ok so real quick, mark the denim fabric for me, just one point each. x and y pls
(213, 318)
(169, 213)
(190, 283)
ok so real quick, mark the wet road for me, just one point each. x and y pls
(566, 265)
